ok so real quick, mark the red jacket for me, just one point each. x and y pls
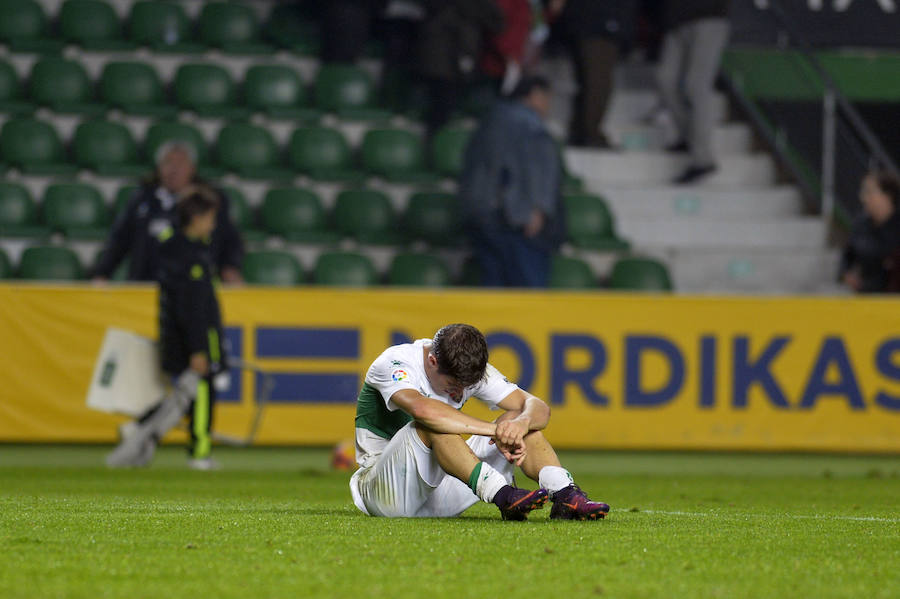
(510, 43)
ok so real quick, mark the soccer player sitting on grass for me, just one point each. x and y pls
(413, 459)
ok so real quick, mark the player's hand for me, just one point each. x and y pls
(511, 433)
(514, 454)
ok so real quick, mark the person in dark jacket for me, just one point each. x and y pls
(152, 209)
(190, 337)
(866, 263)
(510, 190)
(594, 31)
(695, 35)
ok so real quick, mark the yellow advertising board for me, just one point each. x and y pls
(619, 370)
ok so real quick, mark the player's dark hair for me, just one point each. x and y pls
(889, 185)
(197, 201)
(461, 352)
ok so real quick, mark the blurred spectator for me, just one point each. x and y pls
(695, 34)
(510, 190)
(151, 210)
(398, 30)
(594, 30)
(346, 28)
(449, 46)
(868, 259)
(504, 53)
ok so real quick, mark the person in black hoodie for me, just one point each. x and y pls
(190, 337)
(875, 237)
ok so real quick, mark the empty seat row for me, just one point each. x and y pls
(163, 26)
(208, 89)
(247, 150)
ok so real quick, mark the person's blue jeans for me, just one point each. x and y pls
(509, 259)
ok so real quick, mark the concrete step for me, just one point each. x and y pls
(598, 168)
(643, 105)
(702, 202)
(728, 138)
(713, 233)
(759, 270)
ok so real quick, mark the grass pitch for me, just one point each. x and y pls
(279, 523)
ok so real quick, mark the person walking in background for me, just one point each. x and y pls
(872, 250)
(695, 35)
(504, 55)
(510, 190)
(593, 31)
(151, 210)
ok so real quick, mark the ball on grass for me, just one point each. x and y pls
(343, 457)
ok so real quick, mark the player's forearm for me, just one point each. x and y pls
(444, 419)
(535, 413)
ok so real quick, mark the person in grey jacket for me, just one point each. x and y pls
(510, 190)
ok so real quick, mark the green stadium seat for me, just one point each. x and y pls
(344, 269)
(418, 270)
(23, 26)
(92, 24)
(570, 273)
(163, 26)
(286, 28)
(296, 215)
(275, 268)
(232, 27)
(34, 147)
(64, 86)
(46, 263)
(242, 215)
(433, 216)
(135, 88)
(5, 265)
(367, 216)
(208, 90)
(11, 101)
(18, 212)
(123, 196)
(107, 148)
(278, 91)
(250, 151)
(640, 274)
(167, 131)
(590, 223)
(323, 154)
(348, 91)
(396, 155)
(471, 273)
(448, 149)
(77, 210)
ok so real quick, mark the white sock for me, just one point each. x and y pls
(489, 482)
(554, 478)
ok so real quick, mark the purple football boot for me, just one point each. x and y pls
(515, 504)
(571, 503)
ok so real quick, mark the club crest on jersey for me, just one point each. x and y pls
(399, 375)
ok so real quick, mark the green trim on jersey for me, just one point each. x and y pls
(373, 415)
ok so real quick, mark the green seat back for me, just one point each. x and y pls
(28, 141)
(99, 143)
(433, 217)
(57, 80)
(344, 269)
(123, 196)
(241, 145)
(340, 87)
(130, 84)
(5, 265)
(199, 85)
(588, 215)
(272, 268)
(223, 23)
(448, 149)
(88, 20)
(239, 209)
(570, 273)
(17, 208)
(640, 274)
(10, 88)
(154, 22)
(291, 210)
(21, 19)
(74, 206)
(319, 149)
(364, 214)
(418, 270)
(390, 151)
(49, 263)
(164, 132)
(273, 86)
